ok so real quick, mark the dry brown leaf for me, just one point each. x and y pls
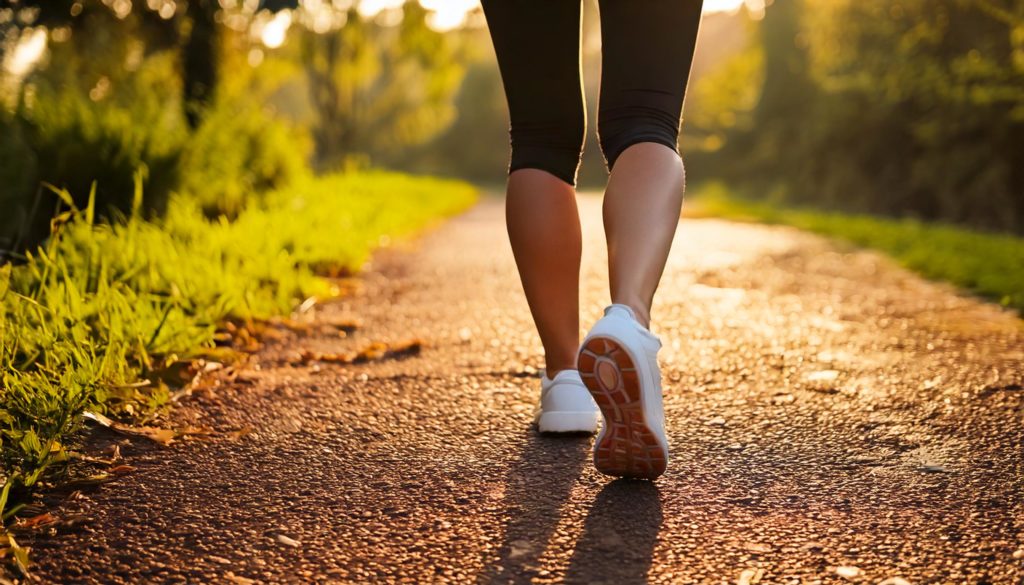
(35, 522)
(376, 350)
(235, 435)
(162, 436)
(88, 481)
(346, 325)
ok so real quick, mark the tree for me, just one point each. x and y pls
(378, 88)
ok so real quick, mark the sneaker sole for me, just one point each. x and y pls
(626, 447)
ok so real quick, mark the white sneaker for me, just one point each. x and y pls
(618, 362)
(565, 405)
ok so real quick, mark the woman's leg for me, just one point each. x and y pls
(647, 50)
(544, 230)
(537, 43)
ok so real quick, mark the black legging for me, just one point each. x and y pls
(647, 49)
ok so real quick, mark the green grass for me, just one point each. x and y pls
(989, 265)
(103, 307)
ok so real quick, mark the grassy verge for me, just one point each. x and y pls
(989, 265)
(92, 319)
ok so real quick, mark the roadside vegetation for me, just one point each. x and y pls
(907, 109)
(174, 173)
(987, 264)
(93, 319)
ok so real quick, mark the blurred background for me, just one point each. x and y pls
(907, 108)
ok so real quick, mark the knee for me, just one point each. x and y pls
(554, 146)
(620, 127)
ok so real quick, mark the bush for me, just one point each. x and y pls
(61, 136)
(238, 151)
(913, 109)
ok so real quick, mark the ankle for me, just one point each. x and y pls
(640, 311)
(553, 371)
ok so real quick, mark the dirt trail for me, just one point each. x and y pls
(832, 418)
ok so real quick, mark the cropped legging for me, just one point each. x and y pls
(647, 50)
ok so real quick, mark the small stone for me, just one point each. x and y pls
(718, 421)
(849, 572)
(288, 541)
(894, 581)
(750, 577)
(823, 376)
(757, 547)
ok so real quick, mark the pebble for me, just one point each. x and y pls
(849, 572)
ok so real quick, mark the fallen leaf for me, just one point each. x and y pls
(157, 435)
(35, 522)
(99, 418)
(235, 435)
(88, 481)
(74, 521)
(376, 350)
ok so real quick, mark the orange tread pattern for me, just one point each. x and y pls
(627, 447)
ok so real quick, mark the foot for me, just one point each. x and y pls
(619, 365)
(565, 405)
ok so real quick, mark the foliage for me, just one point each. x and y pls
(724, 100)
(914, 108)
(70, 136)
(242, 147)
(378, 88)
(989, 265)
(475, 144)
(120, 90)
(102, 307)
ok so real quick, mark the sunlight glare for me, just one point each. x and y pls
(370, 8)
(448, 14)
(27, 53)
(275, 31)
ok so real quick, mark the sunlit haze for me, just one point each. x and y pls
(449, 14)
(444, 15)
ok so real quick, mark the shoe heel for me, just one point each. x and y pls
(626, 446)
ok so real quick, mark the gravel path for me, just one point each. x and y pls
(832, 419)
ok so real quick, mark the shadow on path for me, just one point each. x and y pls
(619, 535)
(537, 487)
